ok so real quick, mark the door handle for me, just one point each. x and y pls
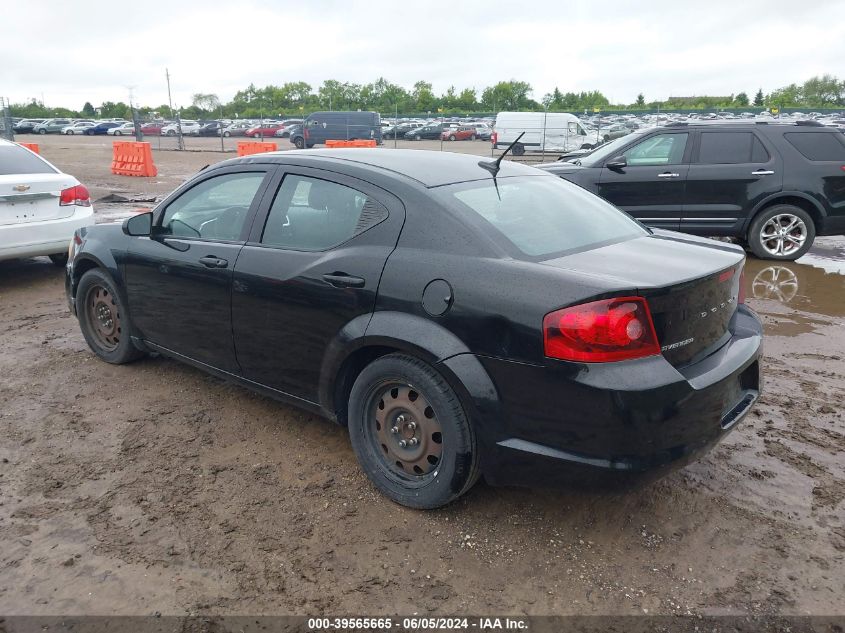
(210, 261)
(762, 172)
(342, 280)
(668, 174)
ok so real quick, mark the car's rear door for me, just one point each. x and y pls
(311, 266)
(731, 171)
(651, 186)
(179, 280)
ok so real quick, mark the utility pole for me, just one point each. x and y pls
(169, 100)
(8, 133)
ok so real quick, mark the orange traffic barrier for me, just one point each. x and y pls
(131, 158)
(354, 143)
(32, 147)
(245, 148)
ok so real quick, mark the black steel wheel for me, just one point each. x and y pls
(103, 319)
(410, 433)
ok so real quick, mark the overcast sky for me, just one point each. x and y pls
(72, 52)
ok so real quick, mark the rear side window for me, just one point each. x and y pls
(309, 214)
(17, 160)
(730, 148)
(541, 216)
(818, 145)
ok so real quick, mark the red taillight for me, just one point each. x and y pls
(741, 294)
(494, 137)
(77, 195)
(601, 331)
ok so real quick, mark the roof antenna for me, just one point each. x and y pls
(493, 165)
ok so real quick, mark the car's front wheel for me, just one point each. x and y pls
(299, 142)
(411, 434)
(782, 231)
(103, 319)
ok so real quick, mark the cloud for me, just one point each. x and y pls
(89, 51)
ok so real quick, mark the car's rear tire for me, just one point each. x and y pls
(59, 259)
(781, 232)
(118, 133)
(103, 319)
(398, 398)
(518, 149)
(42, 131)
(227, 134)
(452, 137)
(299, 142)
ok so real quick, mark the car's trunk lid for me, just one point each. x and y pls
(33, 197)
(691, 285)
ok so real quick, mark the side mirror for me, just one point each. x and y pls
(138, 225)
(617, 162)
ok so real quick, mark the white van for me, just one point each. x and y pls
(549, 131)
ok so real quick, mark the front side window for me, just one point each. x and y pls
(215, 209)
(309, 214)
(660, 149)
(541, 216)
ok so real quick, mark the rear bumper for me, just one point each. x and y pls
(577, 423)
(42, 238)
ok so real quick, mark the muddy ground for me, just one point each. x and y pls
(153, 487)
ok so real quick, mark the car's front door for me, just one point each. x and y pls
(730, 173)
(179, 280)
(651, 186)
(312, 265)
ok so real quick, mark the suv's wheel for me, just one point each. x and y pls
(299, 142)
(410, 433)
(518, 149)
(782, 231)
(103, 319)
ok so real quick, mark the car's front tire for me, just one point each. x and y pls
(103, 319)
(299, 143)
(411, 434)
(781, 232)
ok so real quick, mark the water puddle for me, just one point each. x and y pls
(797, 296)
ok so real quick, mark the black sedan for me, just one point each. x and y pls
(430, 131)
(459, 317)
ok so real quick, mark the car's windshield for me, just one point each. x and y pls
(607, 150)
(17, 160)
(540, 216)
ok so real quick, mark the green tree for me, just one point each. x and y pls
(824, 91)
(741, 100)
(206, 102)
(640, 100)
(758, 98)
(423, 97)
(88, 110)
(508, 95)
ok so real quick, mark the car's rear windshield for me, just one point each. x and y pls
(17, 160)
(818, 146)
(540, 216)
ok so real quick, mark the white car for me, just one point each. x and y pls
(40, 207)
(127, 129)
(188, 127)
(78, 128)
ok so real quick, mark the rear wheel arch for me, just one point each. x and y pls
(810, 206)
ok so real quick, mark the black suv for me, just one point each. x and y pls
(774, 186)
